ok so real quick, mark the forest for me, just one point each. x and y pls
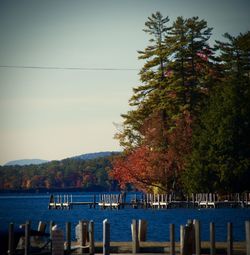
(189, 123)
(72, 173)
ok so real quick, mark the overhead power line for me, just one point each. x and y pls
(68, 68)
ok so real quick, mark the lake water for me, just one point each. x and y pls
(18, 208)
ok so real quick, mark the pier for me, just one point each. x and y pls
(154, 201)
(59, 241)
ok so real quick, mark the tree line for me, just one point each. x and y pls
(71, 173)
(189, 123)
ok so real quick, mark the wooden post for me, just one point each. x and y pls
(135, 241)
(11, 248)
(247, 226)
(27, 238)
(94, 202)
(68, 237)
(57, 242)
(142, 230)
(229, 238)
(186, 239)
(51, 200)
(182, 240)
(91, 238)
(41, 227)
(212, 239)
(101, 201)
(110, 201)
(192, 237)
(106, 237)
(82, 235)
(51, 224)
(172, 239)
(197, 237)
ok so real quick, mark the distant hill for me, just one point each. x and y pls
(95, 155)
(87, 156)
(89, 172)
(24, 162)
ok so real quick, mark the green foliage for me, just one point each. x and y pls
(175, 80)
(175, 76)
(220, 160)
(182, 76)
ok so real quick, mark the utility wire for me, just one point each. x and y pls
(68, 68)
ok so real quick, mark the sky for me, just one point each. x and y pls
(58, 113)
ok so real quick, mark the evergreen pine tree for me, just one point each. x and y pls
(146, 100)
(220, 160)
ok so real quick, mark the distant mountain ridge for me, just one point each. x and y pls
(95, 155)
(87, 156)
(24, 162)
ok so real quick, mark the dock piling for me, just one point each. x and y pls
(27, 238)
(142, 235)
(247, 227)
(229, 238)
(82, 235)
(91, 238)
(135, 240)
(68, 237)
(190, 240)
(212, 238)
(106, 237)
(197, 237)
(11, 239)
(172, 239)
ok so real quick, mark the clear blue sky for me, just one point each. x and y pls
(53, 114)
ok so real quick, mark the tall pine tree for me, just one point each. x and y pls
(220, 159)
(174, 83)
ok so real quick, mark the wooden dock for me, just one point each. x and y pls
(152, 248)
(155, 201)
(190, 241)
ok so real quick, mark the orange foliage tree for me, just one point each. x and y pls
(150, 166)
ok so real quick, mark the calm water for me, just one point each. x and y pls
(18, 208)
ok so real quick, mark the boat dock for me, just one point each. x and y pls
(155, 201)
(58, 241)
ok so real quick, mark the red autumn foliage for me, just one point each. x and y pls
(151, 165)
